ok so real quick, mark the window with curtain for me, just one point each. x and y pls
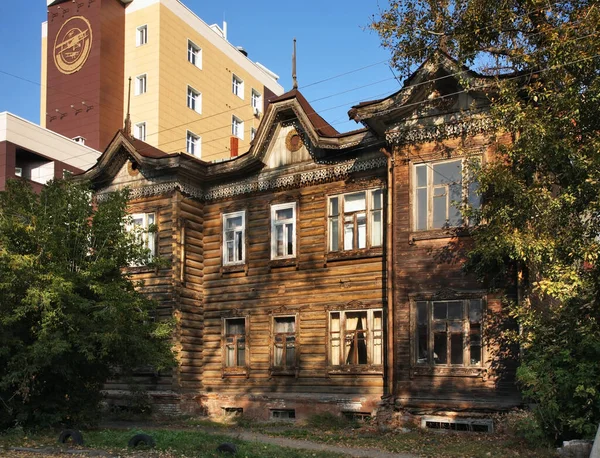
(284, 342)
(235, 342)
(356, 338)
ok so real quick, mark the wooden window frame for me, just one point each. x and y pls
(467, 192)
(424, 364)
(340, 217)
(150, 238)
(275, 223)
(284, 369)
(235, 369)
(242, 259)
(373, 334)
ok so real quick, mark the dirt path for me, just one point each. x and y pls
(307, 445)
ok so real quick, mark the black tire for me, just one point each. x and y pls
(141, 438)
(73, 434)
(227, 447)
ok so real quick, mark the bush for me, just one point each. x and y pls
(69, 313)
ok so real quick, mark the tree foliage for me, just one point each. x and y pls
(69, 315)
(541, 213)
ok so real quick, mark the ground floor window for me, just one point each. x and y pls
(235, 342)
(448, 332)
(284, 342)
(356, 337)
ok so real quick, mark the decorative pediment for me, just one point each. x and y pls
(441, 99)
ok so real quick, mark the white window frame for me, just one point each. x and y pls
(149, 238)
(252, 133)
(340, 338)
(141, 35)
(256, 100)
(237, 127)
(467, 187)
(284, 224)
(373, 216)
(467, 329)
(194, 54)
(141, 84)
(233, 340)
(140, 131)
(238, 251)
(194, 99)
(237, 86)
(193, 144)
(283, 340)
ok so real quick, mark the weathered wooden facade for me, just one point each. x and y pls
(315, 272)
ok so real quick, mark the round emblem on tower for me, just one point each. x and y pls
(72, 45)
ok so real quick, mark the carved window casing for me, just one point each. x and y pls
(283, 231)
(447, 334)
(235, 344)
(356, 339)
(284, 345)
(145, 226)
(440, 190)
(355, 220)
(234, 238)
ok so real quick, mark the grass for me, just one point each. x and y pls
(169, 443)
(200, 437)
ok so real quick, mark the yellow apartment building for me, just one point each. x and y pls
(191, 90)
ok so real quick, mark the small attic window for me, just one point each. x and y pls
(79, 139)
(293, 141)
(132, 168)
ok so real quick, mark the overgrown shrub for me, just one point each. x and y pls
(69, 313)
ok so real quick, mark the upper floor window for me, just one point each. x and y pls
(234, 238)
(283, 231)
(193, 144)
(140, 131)
(140, 84)
(252, 133)
(237, 127)
(237, 86)
(440, 191)
(141, 35)
(194, 54)
(448, 332)
(194, 99)
(256, 101)
(144, 226)
(356, 220)
(284, 342)
(356, 337)
(235, 342)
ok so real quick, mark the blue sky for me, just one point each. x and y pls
(332, 40)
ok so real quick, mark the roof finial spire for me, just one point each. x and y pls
(127, 126)
(294, 79)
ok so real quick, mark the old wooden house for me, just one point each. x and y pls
(314, 273)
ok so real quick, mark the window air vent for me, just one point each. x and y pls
(283, 414)
(481, 425)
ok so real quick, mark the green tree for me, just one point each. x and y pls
(70, 316)
(540, 221)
